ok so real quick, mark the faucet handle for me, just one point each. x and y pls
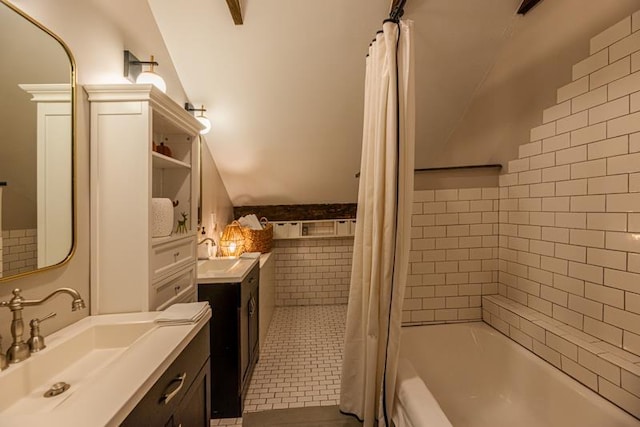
(36, 342)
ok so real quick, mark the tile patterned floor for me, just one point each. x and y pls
(300, 362)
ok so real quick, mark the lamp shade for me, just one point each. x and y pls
(205, 122)
(232, 240)
(150, 77)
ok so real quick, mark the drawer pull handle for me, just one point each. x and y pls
(176, 255)
(166, 398)
(177, 289)
(252, 279)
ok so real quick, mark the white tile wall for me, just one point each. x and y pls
(610, 371)
(454, 252)
(610, 35)
(19, 252)
(313, 271)
(569, 248)
(591, 64)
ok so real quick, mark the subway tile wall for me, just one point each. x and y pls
(568, 223)
(454, 255)
(19, 251)
(569, 233)
(313, 271)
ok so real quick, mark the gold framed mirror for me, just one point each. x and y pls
(37, 146)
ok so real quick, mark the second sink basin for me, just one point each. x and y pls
(222, 265)
(74, 360)
(221, 270)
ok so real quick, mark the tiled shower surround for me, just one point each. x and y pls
(313, 271)
(454, 252)
(570, 226)
(568, 243)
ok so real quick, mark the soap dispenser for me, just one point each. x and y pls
(203, 245)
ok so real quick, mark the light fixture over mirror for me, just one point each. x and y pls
(133, 71)
(200, 117)
(37, 206)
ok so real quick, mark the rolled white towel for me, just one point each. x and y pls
(415, 405)
(183, 313)
(250, 221)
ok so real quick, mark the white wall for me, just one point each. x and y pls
(215, 199)
(533, 62)
(97, 38)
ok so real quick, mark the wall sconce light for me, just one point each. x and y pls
(133, 71)
(232, 240)
(201, 117)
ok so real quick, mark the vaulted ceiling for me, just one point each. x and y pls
(285, 90)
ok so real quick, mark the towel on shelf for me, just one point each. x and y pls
(250, 221)
(183, 313)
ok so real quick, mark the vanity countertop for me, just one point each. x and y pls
(111, 394)
(225, 270)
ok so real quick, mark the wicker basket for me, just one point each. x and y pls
(258, 240)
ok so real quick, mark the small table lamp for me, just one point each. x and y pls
(232, 240)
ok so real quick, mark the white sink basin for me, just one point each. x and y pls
(75, 359)
(224, 270)
(213, 266)
(111, 361)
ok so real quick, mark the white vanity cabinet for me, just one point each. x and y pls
(131, 270)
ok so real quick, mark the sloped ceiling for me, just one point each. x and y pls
(285, 90)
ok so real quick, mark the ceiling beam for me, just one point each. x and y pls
(236, 11)
(527, 5)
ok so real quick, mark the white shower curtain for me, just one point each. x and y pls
(382, 238)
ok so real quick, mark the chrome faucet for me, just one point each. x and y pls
(19, 350)
(207, 239)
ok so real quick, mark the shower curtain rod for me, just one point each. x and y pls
(446, 168)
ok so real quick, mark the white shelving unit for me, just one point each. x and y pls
(314, 229)
(131, 271)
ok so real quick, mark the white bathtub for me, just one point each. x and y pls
(481, 378)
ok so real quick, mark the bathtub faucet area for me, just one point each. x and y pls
(19, 350)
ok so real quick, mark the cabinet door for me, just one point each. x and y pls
(159, 405)
(195, 408)
(254, 333)
(244, 335)
(248, 313)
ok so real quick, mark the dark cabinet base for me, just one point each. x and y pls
(181, 397)
(234, 341)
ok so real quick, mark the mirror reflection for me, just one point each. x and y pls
(36, 147)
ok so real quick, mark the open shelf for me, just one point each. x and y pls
(165, 162)
(310, 229)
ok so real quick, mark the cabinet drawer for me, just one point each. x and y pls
(280, 230)
(173, 289)
(342, 227)
(162, 400)
(169, 257)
